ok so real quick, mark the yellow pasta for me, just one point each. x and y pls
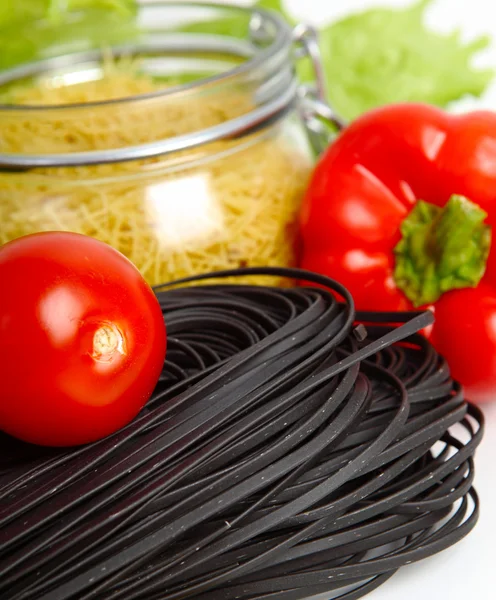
(222, 206)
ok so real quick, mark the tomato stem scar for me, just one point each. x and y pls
(107, 340)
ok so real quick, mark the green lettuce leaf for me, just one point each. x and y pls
(32, 29)
(384, 55)
(19, 11)
(277, 5)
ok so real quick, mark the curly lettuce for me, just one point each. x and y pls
(33, 29)
(385, 55)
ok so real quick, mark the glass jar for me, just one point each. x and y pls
(197, 161)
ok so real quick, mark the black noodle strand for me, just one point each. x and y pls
(292, 447)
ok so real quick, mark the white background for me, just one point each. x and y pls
(467, 570)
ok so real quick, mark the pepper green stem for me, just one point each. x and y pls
(441, 249)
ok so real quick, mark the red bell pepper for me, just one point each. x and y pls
(400, 210)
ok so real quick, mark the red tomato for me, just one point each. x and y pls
(470, 341)
(82, 339)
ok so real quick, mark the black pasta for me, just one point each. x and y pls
(287, 451)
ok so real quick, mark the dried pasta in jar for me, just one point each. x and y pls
(221, 205)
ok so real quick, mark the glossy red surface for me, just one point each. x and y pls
(365, 185)
(82, 339)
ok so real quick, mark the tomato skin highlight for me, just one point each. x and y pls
(82, 339)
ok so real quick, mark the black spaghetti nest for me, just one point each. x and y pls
(284, 454)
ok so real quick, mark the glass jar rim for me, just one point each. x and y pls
(155, 170)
